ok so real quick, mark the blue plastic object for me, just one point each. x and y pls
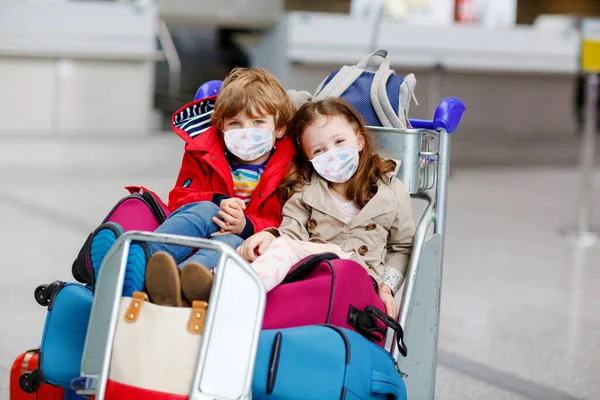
(448, 115)
(208, 89)
(64, 334)
(421, 124)
(72, 395)
(323, 362)
(81, 383)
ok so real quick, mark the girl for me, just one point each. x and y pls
(339, 192)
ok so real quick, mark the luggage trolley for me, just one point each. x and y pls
(424, 152)
(237, 290)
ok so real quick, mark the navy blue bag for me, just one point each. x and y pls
(61, 351)
(378, 94)
(323, 362)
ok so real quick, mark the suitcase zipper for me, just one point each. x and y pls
(347, 344)
(154, 206)
(346, 341)
(332, 293)
(310, 265)
(144, 197)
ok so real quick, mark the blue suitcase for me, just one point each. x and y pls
(69, 307)
(323, 362)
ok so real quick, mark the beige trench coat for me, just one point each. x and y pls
(381, 235)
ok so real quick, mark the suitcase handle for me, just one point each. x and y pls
(382, 384)
(365, 322)
(306, 266)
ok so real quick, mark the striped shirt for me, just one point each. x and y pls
(245, 179)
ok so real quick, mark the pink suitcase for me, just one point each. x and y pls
(323, 289)
(141, 210)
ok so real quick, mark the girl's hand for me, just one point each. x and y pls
(385, 294)
(255, 245)
(233, 218)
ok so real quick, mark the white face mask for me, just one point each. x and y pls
(248, 144)
(337, 165)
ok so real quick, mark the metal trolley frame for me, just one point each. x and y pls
(424, 152)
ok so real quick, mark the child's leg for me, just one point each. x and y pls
(103, 239)
(210, 258)
(190, 220)
(193, 220)
(196, 277)
(283, 254)
(273, 265)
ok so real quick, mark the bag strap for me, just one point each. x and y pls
(306, 266)
(366, 323)
(407, 94)
(336, 87)
(347, 75)
(380, 104)
(379, 96)
(374, 61)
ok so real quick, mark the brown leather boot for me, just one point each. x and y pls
(163, 280)
(196, 281)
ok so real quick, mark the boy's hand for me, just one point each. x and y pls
(233, 218)
(385, 294)
(255, 245)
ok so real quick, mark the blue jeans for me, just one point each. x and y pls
(194, 220)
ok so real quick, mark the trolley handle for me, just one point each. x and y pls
(447, 116)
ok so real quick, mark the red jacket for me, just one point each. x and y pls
(205, 173)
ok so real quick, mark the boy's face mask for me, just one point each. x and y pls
(337, 165)
(248, 144)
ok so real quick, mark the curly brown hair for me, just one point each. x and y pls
(363, 184)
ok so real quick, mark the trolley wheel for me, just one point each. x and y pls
(28, 383)
(42, 295)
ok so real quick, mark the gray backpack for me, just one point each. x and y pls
(378, 94)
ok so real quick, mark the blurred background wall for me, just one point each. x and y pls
(122, 67)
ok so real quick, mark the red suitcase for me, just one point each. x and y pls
(24, 363)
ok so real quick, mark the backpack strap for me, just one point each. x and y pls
(379, 97)
(373, 61)
(347, 75)
(407, 93)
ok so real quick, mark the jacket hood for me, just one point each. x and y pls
(193, 119)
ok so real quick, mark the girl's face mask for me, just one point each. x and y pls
(248, 144)
(337, 165)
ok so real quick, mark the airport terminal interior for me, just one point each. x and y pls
(88, 89)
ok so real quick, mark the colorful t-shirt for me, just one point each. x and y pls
(246, 178)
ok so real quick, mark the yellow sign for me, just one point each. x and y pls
(590, 47)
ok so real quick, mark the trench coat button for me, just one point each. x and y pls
(370, 227)
(260, 194)
(213, 156)
(312, 224)
(362, 250)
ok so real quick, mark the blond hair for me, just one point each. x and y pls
(254, 91)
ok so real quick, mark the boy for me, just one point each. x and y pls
(226, 189)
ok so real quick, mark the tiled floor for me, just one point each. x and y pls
(520, 309)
